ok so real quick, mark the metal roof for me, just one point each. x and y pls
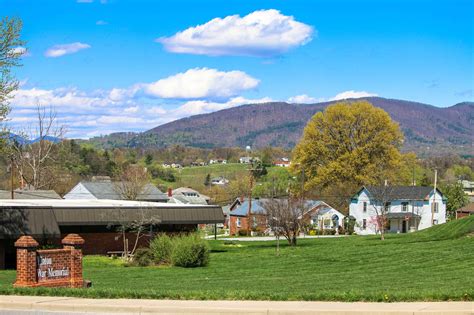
(402, 215)
(15, 222)
(399, 192)
(110, 190)
(38, 217)
(29, 194)
(257, 206)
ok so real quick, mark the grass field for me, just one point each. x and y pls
(195, 176)
(435, 264)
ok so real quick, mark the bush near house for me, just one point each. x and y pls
(190, 251)
(161, 247)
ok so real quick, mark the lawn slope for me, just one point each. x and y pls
(431, 265)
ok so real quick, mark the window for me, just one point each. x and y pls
(404, 206)
(387, 206)
(435, 207)
(364, 224)
(435, 222)
(365, 206)
(238, 222)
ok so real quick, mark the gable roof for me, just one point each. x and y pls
(257, 206)
(186, 190)
(29, 194)
(108, 190)
(399, 192)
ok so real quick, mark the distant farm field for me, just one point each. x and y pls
(431, 265)
(195, 176)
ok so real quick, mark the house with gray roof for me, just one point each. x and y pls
(407, 208)
(29, 194)
(106, 189)
(243, 212)
(186, 195)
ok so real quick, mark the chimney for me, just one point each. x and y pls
(170, 192)
(386, 182)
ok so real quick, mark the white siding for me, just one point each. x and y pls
(421, 208)
(79, 192)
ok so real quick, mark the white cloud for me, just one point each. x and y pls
(201, 83)
(101, 22)
(22, 51)
(202, 107)
(65, 49)
(351, 94)
(132, 109)
(303, 99)
(62, 97)
(260, 33)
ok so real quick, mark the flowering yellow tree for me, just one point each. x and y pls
(347, 146)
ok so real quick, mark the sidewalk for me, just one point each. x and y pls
(35, 304)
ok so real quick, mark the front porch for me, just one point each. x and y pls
(403, 222)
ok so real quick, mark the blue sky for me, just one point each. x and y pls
(116, 65)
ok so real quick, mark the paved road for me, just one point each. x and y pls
(23, 305)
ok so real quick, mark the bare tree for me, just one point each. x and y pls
(132, 182)
(380, 199)
(33, 158)
(285, 217)
(136, 221)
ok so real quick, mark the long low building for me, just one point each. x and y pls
(97, 221)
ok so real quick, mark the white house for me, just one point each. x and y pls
(326, 217)
(219, 181)
(217, 161)
(408, 208)
(104, 188)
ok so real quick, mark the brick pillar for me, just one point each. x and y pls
(25, 262)
(74, 242)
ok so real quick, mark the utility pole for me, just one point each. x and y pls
(12, 179)
(249, 212)
(434, 196)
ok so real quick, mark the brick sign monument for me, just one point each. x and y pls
(49, 267)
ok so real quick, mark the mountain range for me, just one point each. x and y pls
(428, 130)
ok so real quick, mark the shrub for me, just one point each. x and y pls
(161, 248)
(143, 257)
(243, 233)
(190, 251)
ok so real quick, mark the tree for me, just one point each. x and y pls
(455, 198)
(380, 199)
(136, 222)
(207, 180)
(10, 53)
(148, 159)
(132, 181)
(34, 159)
(285, 217)
(347, 146)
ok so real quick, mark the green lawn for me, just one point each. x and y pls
(195, 176)
(435, 264)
